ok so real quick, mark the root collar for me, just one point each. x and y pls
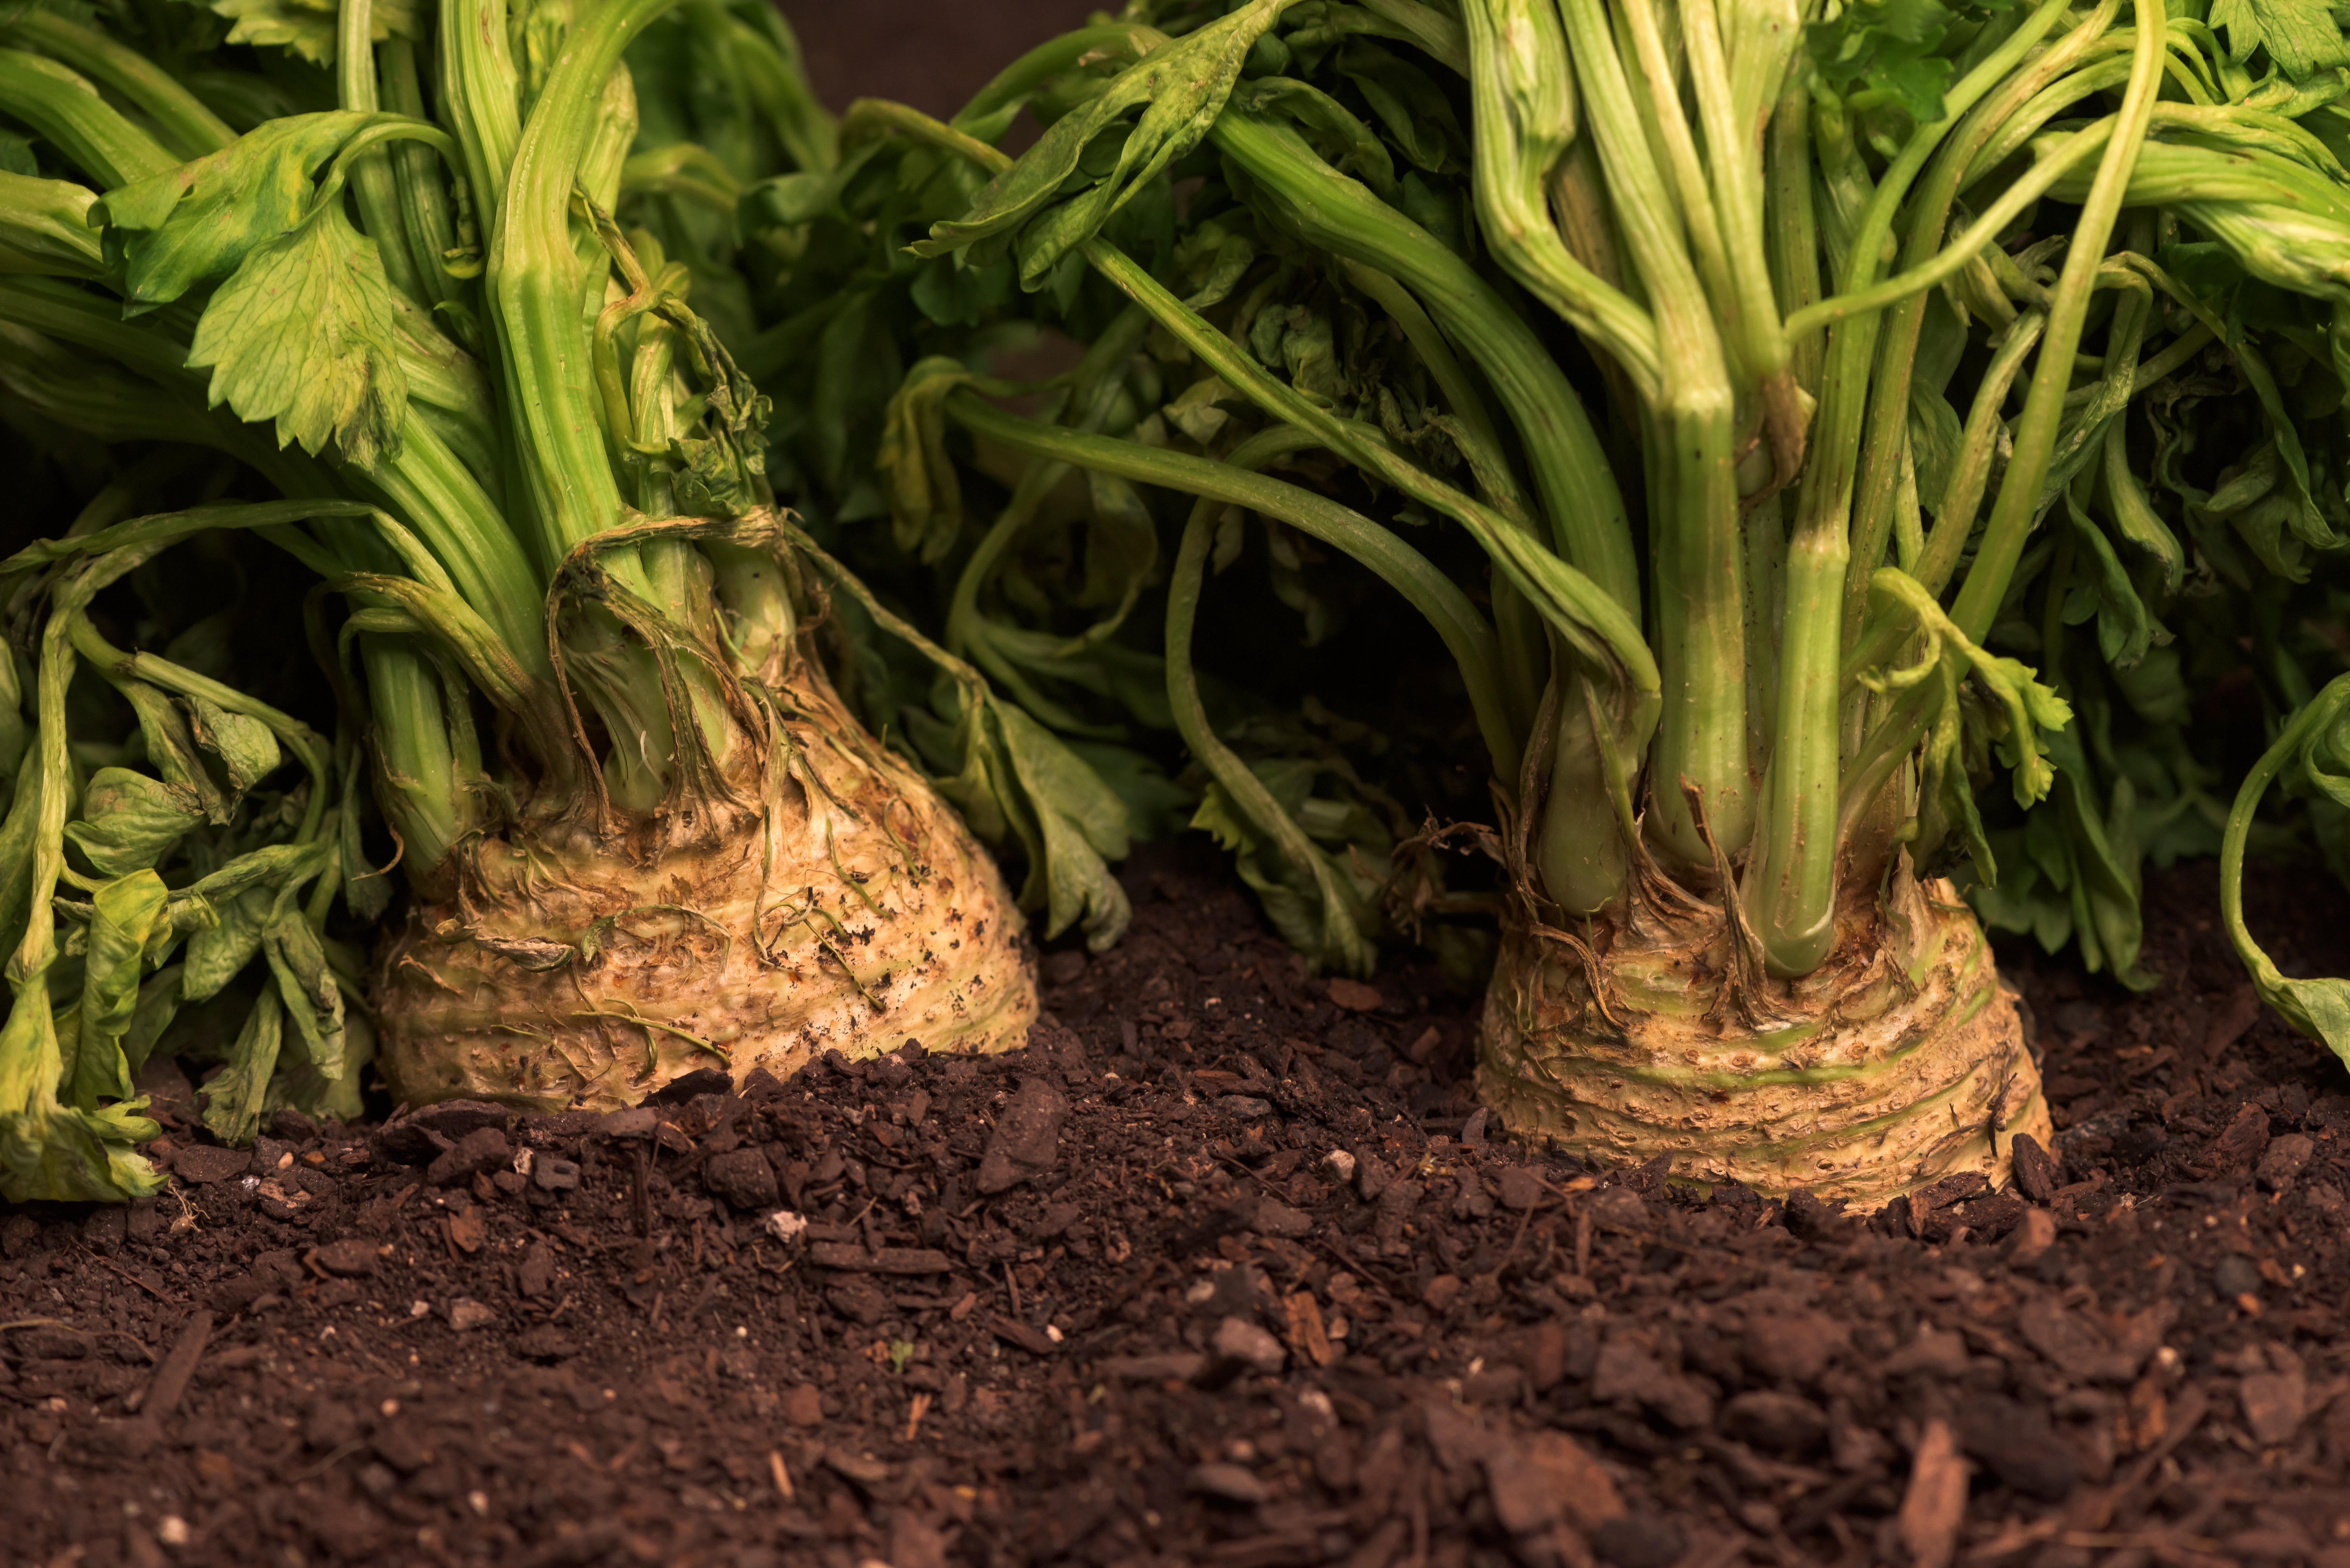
(1900, 1061)
(848, 909)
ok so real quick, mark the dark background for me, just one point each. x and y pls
(932, 54)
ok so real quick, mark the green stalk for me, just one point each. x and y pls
(1791, 224)
(1341, 937)
(1524, 647)
(2318, 1007)
(1693, 511)
(1898, 349)
(1789, 886)
(65, 110)
(424, 193)
(370, 170)
(1571, 473)
(1602, 630)
(479, 102)
(1466, 635)
(533, 281)
(468, 534)
(1093, 391)
(1522, 88)
(2035, 433)
(189, 128)
(419, 783)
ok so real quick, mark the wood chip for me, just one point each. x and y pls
(180, 1365)
(1306, 1336)
(849, 1257)
(1020, 1335)
(1936, 1502)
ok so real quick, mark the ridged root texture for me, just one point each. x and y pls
(1900, 1061)
(852, 912)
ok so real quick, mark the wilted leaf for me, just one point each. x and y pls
(218, 953)
(49, 1150)
(130, 821)
(1084, 827)
(235, 1095)
(123, 917)
(917, 470)
(247, 751)
(313, 1001)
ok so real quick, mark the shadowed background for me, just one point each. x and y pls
(932, 54)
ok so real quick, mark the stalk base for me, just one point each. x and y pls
(845, 908)
(1900, 1061)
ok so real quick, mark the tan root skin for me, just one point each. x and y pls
(569, 974)
(1884, 1071)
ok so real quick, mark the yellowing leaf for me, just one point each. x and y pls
(200, 220)
(128, 821)
(305, 335)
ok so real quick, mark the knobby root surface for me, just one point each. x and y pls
(1899, 1063)
(852, 911)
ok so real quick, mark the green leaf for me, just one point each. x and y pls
(123, 917)
(130, 821)
(1083, 825)
(307, 27)
(1181, 88)
(2101, 590)
(304, 334)
(2300, 36)
(202, 220)
(1887, 47)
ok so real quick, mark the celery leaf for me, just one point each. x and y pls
(202, 219)
(306, 27)
(2301, 35)
(304, 334)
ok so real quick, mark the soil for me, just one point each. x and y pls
(1223, 1268)
(920, 52)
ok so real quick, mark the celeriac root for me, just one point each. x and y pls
(1900, 1061)
(850, 909)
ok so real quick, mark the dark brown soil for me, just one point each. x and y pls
(1110, 1301)
(932, 55)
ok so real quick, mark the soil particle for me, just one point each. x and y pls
(1025, 1139)
(1077, 1305)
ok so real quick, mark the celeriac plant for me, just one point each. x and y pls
(1847, 407)
(459, 289)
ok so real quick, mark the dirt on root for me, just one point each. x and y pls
(1223, 1270)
